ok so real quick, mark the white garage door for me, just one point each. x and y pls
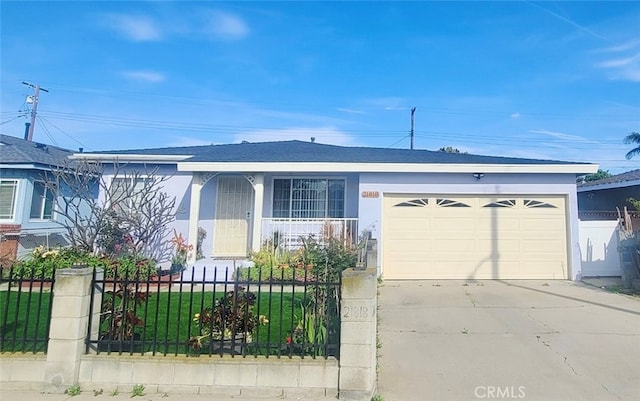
(474, 237)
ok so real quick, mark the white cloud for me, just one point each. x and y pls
(623, 62)
(224, 25)
(350, 111)
(138, 28)
(515, 116)
(326, 135)
(146, 76)
(628, 45)
(619, 62)
(562, 136)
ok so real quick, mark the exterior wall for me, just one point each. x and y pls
(464, 183)
(599, 248)
(33, 232)
(179, 185)
(607, 199)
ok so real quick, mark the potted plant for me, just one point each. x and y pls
(119, 320)
(227, 326)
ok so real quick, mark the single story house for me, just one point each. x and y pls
(436, 215)
(27, 207)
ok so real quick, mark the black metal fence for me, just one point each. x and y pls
(240, 312)
(25, 312)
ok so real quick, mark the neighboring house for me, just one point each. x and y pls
(27, 206)
(599, 205)
(599, 200)
(436, 215)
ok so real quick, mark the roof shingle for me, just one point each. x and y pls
(299, 151)
(19, 151)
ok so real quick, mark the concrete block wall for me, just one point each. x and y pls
(214, 375)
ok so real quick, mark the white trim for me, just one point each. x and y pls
(387, 167)
(611, 185)
(14, 202)
(159, 159)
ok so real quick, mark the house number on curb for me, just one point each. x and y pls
(356, 313)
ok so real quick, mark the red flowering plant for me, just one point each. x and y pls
(179, 259)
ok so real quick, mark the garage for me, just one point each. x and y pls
(439, 236)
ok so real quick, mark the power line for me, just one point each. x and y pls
(64, 133)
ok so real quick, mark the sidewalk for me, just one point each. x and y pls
(25, 395)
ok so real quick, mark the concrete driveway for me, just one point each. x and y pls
(531, 340)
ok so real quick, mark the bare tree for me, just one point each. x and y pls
(132, 202)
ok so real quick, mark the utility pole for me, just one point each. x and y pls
(413, 111)
(34, 110)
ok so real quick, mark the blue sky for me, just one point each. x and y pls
(552, 80)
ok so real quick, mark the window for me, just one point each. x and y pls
(308, 198)
(422, 202)
(8, 189)
(42, 202)
(125, 193)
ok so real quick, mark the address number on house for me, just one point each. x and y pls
(357, 313)
(370, 194)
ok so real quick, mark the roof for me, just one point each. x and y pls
(300, 151)
(628, 179)
(18, 151)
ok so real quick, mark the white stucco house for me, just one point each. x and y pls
(436, 215)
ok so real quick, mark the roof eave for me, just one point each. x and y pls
(308, 167)
(611, 185)
(131, 158)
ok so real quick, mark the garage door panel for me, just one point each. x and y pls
(506, 237)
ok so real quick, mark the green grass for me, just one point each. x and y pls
(169, 318)
(24, 316)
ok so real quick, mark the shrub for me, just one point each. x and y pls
(41, 263)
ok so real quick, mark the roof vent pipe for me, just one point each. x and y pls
(26, 130)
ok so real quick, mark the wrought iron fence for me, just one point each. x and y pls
(240, 312)
(25, 312)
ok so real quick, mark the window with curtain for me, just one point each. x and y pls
(308, 198)
(8, 190)
(42, 202)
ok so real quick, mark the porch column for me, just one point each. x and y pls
(258, 201)
(194, 215)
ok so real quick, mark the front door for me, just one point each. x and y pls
(234, 205)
